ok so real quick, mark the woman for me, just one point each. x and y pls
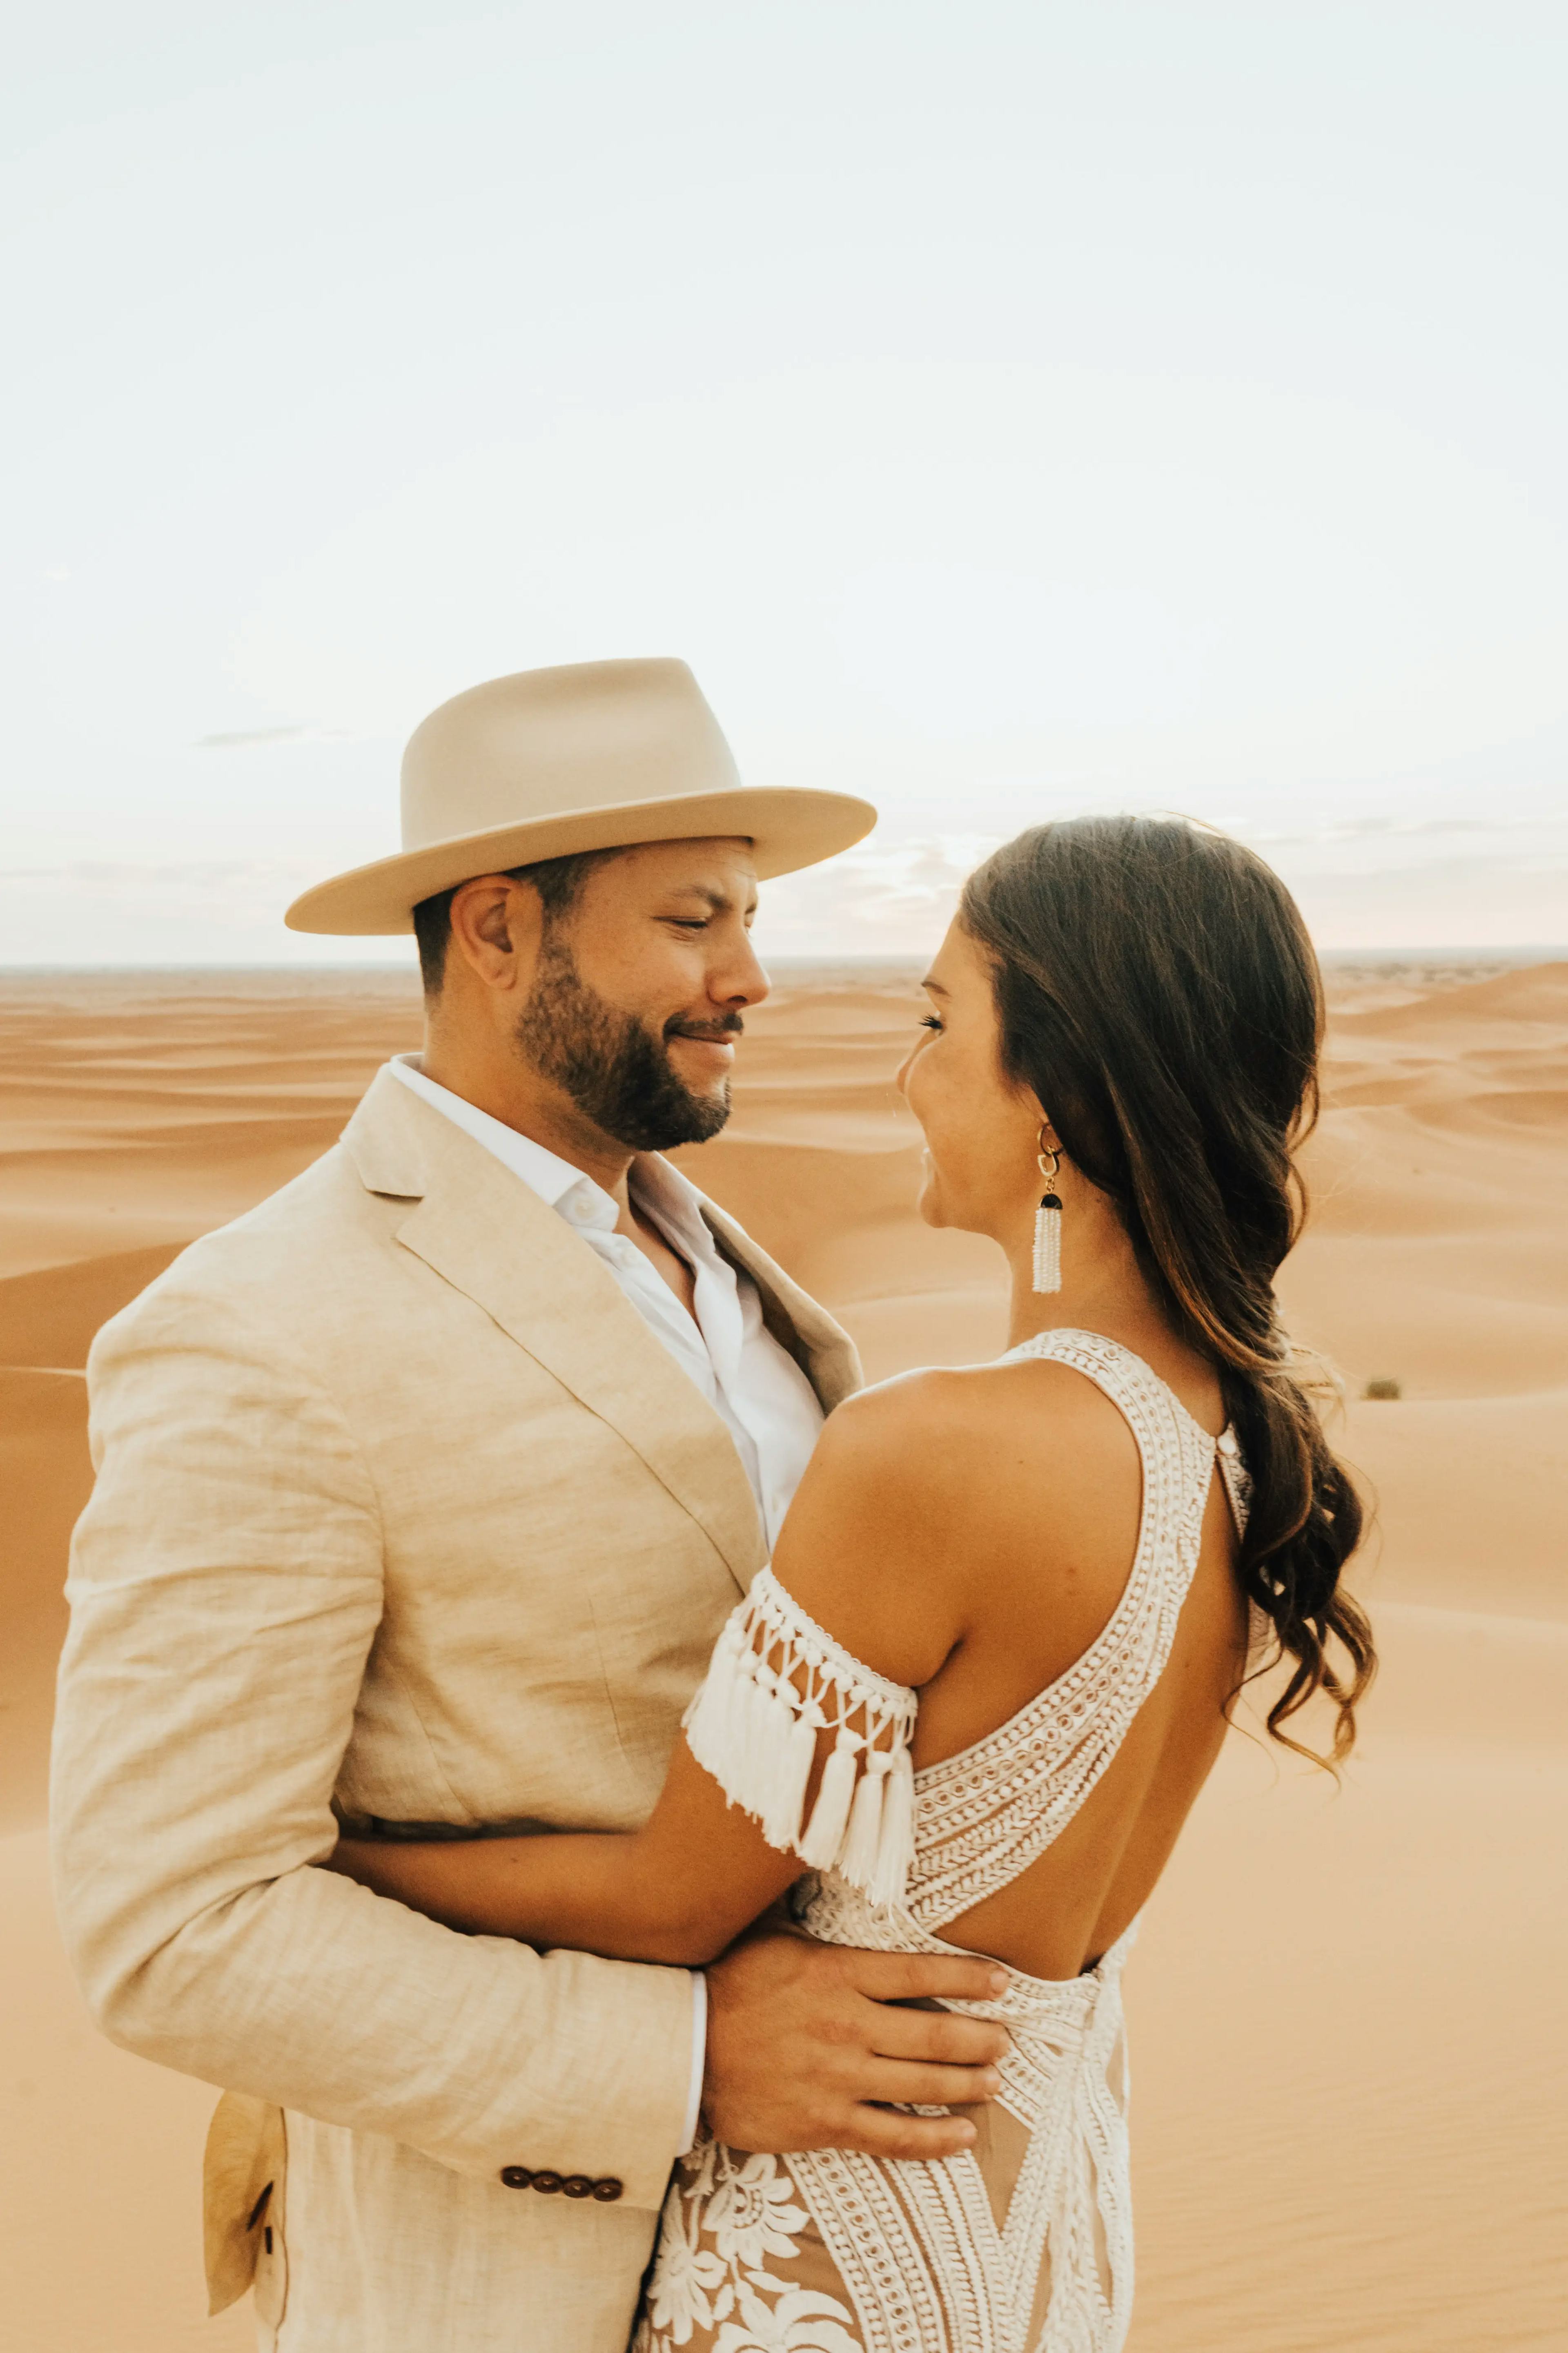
(991, 1665)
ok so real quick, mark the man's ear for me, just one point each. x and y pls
(497, 926)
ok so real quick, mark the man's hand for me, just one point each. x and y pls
(801, 2041)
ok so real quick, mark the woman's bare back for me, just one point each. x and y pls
(1029, 1493)
(1072, 1904)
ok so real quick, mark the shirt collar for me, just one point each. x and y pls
(544, 1172)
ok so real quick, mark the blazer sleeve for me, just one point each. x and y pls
(226, 1588)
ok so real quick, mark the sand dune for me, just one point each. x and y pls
(1350, 2111)
(48, 1317)
(44, 1464)
(138, 1115)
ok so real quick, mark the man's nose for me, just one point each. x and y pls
(742, 980)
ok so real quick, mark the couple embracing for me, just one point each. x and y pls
(648, 1831)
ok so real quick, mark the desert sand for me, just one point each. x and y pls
(1350, 2111)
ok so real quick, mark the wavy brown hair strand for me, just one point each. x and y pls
(1158, 992)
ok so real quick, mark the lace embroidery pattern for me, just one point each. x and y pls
(835, 2252)
(724, 2220)
(1065, 2079)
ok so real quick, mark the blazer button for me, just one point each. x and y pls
(516, 2177)
(547, 2183)
(608, 2190)
(576, 2185)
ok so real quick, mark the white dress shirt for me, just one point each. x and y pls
(754, 1384)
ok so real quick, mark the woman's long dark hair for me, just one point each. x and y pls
(1158, 992)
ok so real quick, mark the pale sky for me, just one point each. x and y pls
(1007, 409)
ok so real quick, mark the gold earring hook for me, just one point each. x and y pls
(1047, 1152)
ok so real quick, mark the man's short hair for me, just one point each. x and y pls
(558, 881)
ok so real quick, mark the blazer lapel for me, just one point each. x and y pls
(487, 1233)
(822, 1348)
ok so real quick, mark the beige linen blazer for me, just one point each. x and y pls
(401, 1510)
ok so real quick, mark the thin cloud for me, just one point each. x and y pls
(236, 739)
(888, 896)
(1387, 828)
(125, 879)
(241, 735)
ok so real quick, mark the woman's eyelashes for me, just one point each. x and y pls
(930, 1021)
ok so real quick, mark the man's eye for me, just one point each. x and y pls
(688, 922)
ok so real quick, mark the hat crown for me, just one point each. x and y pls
(552, 742)
(552, 762)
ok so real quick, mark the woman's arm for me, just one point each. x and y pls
(865, 1556)
(678, 1890)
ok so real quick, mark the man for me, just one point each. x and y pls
(422, 1492)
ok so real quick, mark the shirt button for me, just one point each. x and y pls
(608, 2190)
(576, 2185)
(516, 2177)
(547, 2183)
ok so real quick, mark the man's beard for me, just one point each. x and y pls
(616, 1071)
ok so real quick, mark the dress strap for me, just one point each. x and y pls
(775, 1681)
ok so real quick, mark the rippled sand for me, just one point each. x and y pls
(1347, 2008)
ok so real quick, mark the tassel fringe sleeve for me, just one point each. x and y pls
(776, 1680)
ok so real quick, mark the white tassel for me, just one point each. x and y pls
(775, 1681)
(718, 1721)
(896, 1848)
(824, 1833)
(737, 1728)
(711, 1709)
(781, 1819)
(857, 1862)
(705, 1722)
(765, 1731)
(739, 1733)
(1049, 1244)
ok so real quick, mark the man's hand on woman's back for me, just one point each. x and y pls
(808, 2049)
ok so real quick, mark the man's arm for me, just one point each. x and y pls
(226, 1589)
(833, 2054)
(806, 2048)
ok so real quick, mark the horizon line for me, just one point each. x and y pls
(1536, 951)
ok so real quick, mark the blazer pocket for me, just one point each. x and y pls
(243, 2180)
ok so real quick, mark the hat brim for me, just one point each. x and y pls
(787, 828)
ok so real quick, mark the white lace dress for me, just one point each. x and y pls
(1024, 2242)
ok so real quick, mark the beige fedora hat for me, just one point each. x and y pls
(594, 756)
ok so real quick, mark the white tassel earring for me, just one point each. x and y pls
(1049, 1223)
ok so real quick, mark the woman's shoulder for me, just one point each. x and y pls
(939, 1428)
(924, 1489)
